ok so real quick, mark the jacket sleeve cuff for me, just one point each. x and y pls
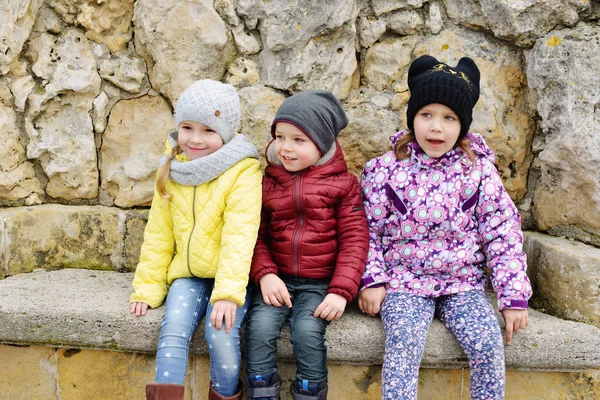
(341, 292)
(370, 282)
(261, 273)
(512, 304)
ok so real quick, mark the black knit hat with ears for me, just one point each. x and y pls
(431, 81)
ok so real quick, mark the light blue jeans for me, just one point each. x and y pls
(187, 303)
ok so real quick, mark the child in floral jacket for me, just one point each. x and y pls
(438, 215)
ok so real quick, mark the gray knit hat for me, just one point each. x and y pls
(211, 103)
(318, 113)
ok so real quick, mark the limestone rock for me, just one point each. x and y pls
(303, 50)
(21, 88)
(17, 176)
(16, 20)
(57, 121)
(242, 72)
(387, 61)
(259, 106)
(181, 41)
(405, 22)
(48, 21)
(434, 20)
(566, 277)
(124, 69)
(100, 112)
(521, 21)
(132, 145)
(106, 21)
(563, 69)
(55, 236)
(387, 6)
(285, 26)
(245, 41)
(370, 29)
(501, 113)
(369, 128)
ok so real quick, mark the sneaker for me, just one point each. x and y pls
(314, 390)
(263, 387)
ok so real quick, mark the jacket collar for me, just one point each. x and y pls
(330, 163)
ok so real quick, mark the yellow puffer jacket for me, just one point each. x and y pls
(207, 231)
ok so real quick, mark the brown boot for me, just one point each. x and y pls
(164, 391)
(213, 395)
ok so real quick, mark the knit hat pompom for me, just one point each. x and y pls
(211, 103)
(318, 113)
(431, 81)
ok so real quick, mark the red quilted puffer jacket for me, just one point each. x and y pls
(313, 225)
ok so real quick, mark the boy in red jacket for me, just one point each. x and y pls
(311, 249)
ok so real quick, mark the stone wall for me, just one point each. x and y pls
(87, 88)
(48, 373)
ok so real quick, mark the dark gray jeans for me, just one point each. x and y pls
(264, 323)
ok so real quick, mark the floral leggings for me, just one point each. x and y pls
(469, 316)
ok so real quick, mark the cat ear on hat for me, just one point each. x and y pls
(469, 68)
(418, 67)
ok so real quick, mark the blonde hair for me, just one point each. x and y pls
(401, 147)
(162, 176)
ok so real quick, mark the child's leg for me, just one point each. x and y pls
(406, 320)
(186, 305)
(263, 327)
(225, 353)
(307, 331)
(471, 318)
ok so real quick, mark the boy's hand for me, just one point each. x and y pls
(223, 309)
(515, 320)
(138, 308)
(331, 308)
(370, 299)
(274, 291)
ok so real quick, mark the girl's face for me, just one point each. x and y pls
(294, 148)
(437, 128)
(198, 140)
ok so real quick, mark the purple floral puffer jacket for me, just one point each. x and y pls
(435, 224)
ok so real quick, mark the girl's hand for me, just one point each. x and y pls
(274, 291)
(223, 309)
(370, 299)
(515, 320)
(138, 308)
(331, 308)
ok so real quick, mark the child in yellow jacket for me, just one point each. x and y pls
(199, 239)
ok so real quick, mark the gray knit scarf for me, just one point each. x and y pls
(205, 169)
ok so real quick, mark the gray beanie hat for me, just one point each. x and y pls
(211, 103)
(318, 113)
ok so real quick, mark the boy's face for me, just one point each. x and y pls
(437, 128)
(294, 148)
(198, 140)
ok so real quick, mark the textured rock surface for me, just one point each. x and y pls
(563, 70)
(55, 236)
(131, 150)
(54, 316)
(566, 277)
(181, 41)
(520, 21)
(17, 176)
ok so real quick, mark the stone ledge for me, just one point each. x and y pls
(89, 309)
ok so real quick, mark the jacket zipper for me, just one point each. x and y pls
(300, 226)
(192, 232)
